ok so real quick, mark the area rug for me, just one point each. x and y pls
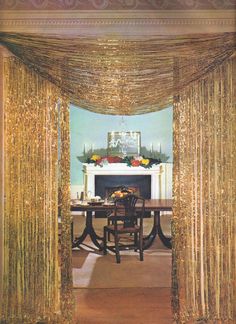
(91, 269)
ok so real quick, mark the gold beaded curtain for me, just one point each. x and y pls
(204, 222)
(120, 76)
(67, 304)
(31, 285)
(135, 76)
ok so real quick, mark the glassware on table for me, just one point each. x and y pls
(88, 195)
(82, 196)
(108, 201)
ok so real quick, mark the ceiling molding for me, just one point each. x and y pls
(117, 14)
(94, 22)
(138, 5)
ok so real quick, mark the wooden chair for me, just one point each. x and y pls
(126, 219)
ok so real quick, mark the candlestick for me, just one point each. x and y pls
(151, 147)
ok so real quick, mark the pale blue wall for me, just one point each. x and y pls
(89, 129)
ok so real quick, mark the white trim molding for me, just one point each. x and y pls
(161, 177)
(123, 22)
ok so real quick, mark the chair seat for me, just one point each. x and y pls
(122, 229)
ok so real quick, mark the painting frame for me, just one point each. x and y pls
(124, 143)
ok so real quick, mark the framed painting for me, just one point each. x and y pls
(124, 143)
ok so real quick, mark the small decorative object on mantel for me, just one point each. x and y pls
(132, 161)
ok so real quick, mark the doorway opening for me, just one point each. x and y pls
(94, 273)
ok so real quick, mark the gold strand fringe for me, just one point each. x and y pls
(31, 288)
(204, 223)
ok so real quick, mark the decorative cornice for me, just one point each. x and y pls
(119, 22)
(117, 14)
(138, 5)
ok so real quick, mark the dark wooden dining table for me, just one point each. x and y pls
(151, 205)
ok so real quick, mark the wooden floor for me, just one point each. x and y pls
(123, 306)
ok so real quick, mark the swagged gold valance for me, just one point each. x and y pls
(121, 76)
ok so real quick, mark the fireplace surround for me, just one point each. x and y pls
(155, 183)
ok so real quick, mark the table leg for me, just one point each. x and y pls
(89, 230)
(148, 240)
(79, 240)
(165, 240)
(94, 238)
(156, 229)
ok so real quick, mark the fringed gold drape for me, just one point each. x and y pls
(113, 75)
(204, 222)
(64, 206)
(31, 285)
(116, 76)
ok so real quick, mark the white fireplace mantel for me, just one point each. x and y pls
(157, 172)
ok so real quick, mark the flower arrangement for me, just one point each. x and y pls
(132, 161)
(121, 193)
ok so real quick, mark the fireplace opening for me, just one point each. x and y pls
(104, 184)
(110, 190)
(142, 183)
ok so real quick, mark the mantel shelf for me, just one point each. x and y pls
(120, 168)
